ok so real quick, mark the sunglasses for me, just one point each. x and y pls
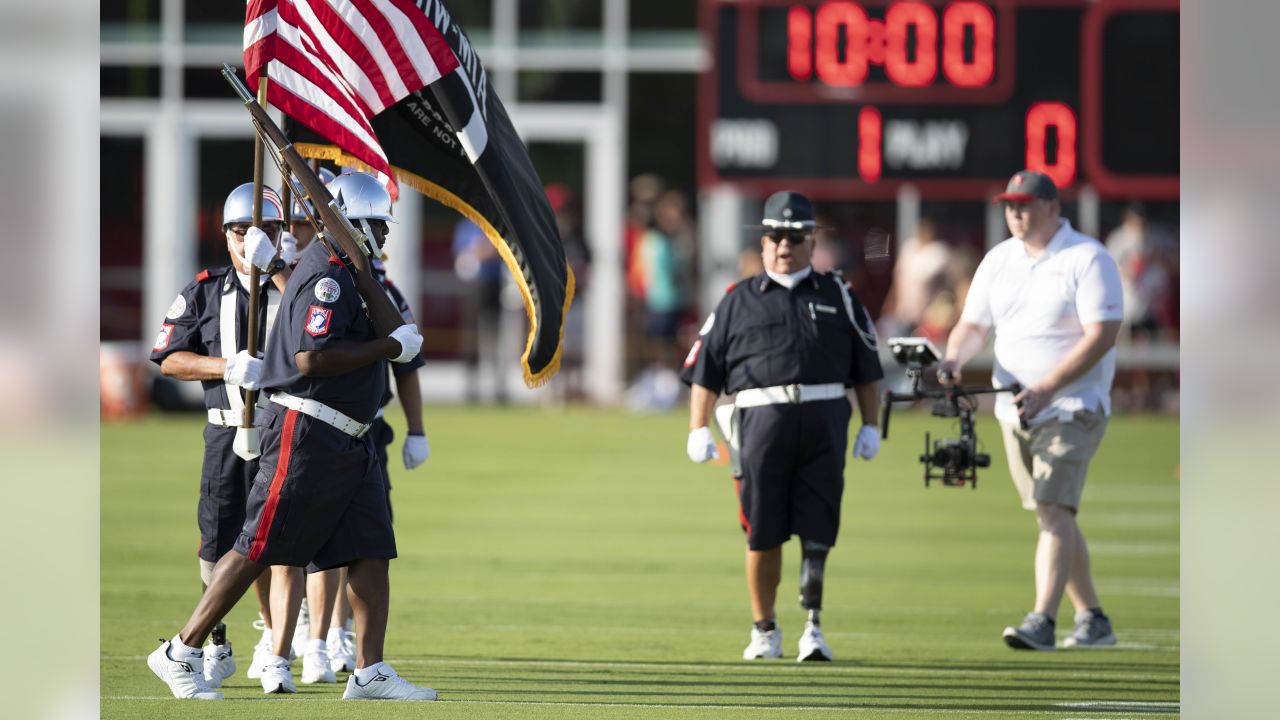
(270, 227)
(793, 236)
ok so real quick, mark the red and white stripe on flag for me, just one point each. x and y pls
(334, 64)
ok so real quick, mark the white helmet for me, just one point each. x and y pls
(239, 205)
(362, 197)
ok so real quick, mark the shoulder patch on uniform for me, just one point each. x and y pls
(327, 290)
(710, 323)
(178, 307)
(202, 275)
(163, 338)
(692, 357)
(318, 320)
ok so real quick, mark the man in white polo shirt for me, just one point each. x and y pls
(1055, 300)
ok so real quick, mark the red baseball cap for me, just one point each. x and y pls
(1028, 185)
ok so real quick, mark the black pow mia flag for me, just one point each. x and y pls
(454, 142)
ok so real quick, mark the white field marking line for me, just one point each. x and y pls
(1170, 493)
(1133, 519)
(1119, 705)
(670, 706)
(1139, 587)
(1122, 548)
(1063, 671)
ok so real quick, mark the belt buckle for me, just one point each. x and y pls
(793, 393)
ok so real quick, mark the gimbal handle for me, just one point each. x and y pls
(950, 393)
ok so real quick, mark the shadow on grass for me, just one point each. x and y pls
(1013, 685)
(925, 705)
(1067, 663)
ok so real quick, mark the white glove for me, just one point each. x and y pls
(288, 248)
(410, 342)
(867, 444)
(243, 371)
(258, 249)
(702, 446)
(416, 451)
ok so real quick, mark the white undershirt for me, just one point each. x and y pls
(789, 281)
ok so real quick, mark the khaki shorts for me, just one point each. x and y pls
(1048, 462)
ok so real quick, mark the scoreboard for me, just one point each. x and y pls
(846, 100)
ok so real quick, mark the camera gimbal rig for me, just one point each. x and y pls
(953, 461)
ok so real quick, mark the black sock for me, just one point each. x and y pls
(766, 625)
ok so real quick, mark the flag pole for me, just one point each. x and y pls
(286, 200)
(246, 443)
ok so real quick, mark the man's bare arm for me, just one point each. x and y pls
(1098, 339)
(186, 365)
(867, 396)
(409, 388)
(344, 357)
(701, 401)
(965, 341)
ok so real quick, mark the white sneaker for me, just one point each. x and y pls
(315, 668)
(276, 677)
(764, 644)
(219, 664)
(184, 681)
(342, 654)
(262, 655)
(813, 646)
(387, 685)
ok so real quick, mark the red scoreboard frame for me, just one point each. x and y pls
(834, 75)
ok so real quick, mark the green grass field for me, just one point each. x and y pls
(574, 564)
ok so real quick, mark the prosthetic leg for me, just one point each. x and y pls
(812, 568)
(813, 646)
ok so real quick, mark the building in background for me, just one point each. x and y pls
(883, 113)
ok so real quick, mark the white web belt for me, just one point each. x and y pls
(323, 413)
(787, 394)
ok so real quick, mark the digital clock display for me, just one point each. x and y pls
(848, 100)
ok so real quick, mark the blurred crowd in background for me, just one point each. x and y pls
(914, 288)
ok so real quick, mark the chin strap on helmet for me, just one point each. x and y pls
(370, 247)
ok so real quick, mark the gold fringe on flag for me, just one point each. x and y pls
(444, 197)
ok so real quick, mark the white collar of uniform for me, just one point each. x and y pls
(1055, 243)
(791, 280)
(244, 279)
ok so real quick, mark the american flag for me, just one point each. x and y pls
(334, 64)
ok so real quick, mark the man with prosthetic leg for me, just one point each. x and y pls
(790, 343)
(319, 499)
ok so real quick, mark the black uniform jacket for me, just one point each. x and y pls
(762, 334)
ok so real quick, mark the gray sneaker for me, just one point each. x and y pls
(1035, 633)
(1091, 631)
